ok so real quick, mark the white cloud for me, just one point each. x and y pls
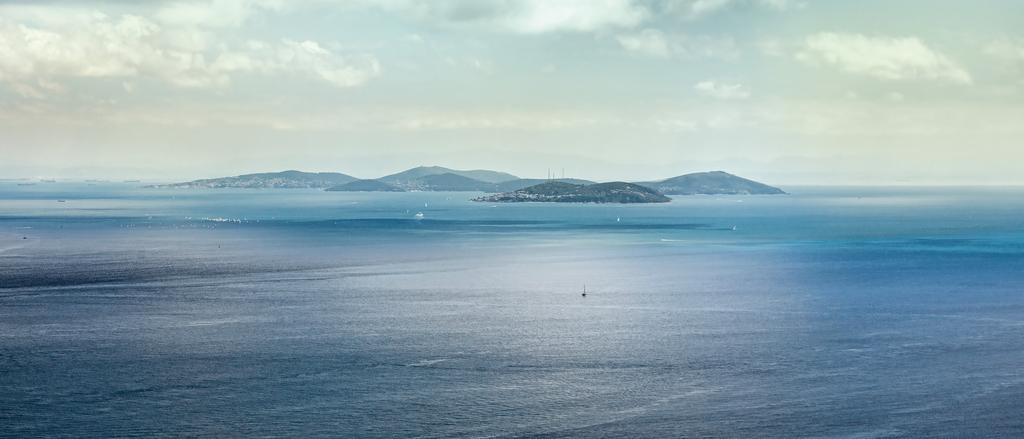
(696, 9)
(214, 13)
(771, 46)
(525, 16)
(720, 90)
(700, 8)
(34, 60)
(782, 5)
(653, 42)
(309, 56)
(724, 48)
(1006, 49)
(95, 48)
(648, 41)
(881, 57)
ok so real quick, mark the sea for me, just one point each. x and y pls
(831, 312)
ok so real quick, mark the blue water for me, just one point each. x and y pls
(831, 312)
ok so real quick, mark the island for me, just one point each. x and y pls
(451, 182)
(365, 186)
(517, 184)
(441, 179)
(561, 192)
(711, 183)
(267, 180)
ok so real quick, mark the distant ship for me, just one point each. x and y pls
(26, 184)
(133, 181)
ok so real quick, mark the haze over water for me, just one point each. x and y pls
(830, 312)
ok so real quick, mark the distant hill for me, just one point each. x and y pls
(711, 183)
(514, 185)
(437, 178)
(365, 186)
(561, 192)
(285, 179)
(409, 178)
(449, 182)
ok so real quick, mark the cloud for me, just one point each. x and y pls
(95, 48)
(543, 16)
(309, 57)
(881, 57)
(782, 5)
(771, 47)
(33, 60)
(1006, 49)
(720, 90)
(214, 13)
(653, 42)
(525, 16)
(696, 9)
(648, 41)
(700, 8)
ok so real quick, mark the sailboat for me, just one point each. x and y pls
(584, 290)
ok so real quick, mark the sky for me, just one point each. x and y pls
(782, 91)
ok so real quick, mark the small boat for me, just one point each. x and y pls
(61, 201)
(419, 215)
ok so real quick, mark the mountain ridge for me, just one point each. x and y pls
(419, 172)
(437, 178)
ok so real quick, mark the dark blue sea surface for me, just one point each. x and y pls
(830, 312)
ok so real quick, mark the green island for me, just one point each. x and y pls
(560, 192)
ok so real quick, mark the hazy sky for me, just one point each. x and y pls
(785, 91)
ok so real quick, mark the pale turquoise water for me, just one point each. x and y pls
(832, 312)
